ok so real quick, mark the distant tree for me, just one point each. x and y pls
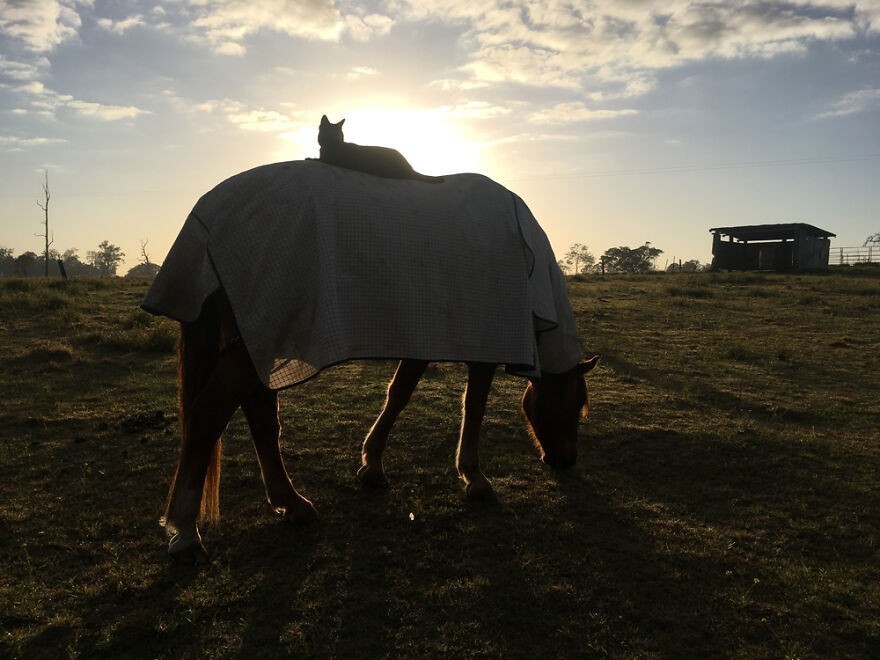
(7, 262)
(48, 266)
(24, 262)
(578, 258)
(690, 266)
(74, 266)
(106, 259)
(630, 260)
(45, 234)
(145, 268)
(873, 238)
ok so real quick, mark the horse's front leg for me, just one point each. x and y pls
(400, 389)
(467, 460)
(261, 411)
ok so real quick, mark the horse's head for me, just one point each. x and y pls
(553, 406)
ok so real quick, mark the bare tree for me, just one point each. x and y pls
(145, 268)
(45, 234)
(873, 238)
(145, 258)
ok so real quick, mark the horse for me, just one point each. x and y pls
(289, 268)
(216, 377)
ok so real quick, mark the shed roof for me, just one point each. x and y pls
(772, 232)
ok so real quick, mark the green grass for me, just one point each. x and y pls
(725, 502)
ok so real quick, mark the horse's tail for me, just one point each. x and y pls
(198, 350)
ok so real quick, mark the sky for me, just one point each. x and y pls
(618, 123)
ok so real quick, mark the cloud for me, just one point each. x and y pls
(258, 120)
(361, 72)
(867, 16)
(853, 103)
(121, 26)
(262, 121)
(229, 48)
(48, 102)
(14, 143)
(474, 110)
(367, 27)
(523, 65)
(226, 23)
(566, 113)
(40, 25)
(577, 43)
(14, 70)
(453, 84)
(102, 110)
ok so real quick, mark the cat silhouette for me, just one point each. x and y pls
(378, 161)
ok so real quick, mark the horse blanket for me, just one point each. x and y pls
(322, 265)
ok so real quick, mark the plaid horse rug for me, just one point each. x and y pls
(323, 265)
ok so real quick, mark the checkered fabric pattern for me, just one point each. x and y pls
(323, 265)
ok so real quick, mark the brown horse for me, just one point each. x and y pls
(216, 377)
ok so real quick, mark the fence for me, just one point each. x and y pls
(842, 256)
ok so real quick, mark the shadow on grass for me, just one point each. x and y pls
(703, 393)
(753, 531)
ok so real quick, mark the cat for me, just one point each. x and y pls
(378, 161)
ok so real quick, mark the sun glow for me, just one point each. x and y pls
(431, 140)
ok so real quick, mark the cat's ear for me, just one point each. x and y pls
(324, 120)
(341, 123)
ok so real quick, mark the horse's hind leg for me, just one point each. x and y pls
(400, 389)
(467, 461)
(261, 411)
(207, 418)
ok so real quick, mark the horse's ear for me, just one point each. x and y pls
(589, 365)
(341, 123)
(324, 120)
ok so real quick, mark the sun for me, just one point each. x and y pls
(430, 140)
(433, 140)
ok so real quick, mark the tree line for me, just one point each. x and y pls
(579, 260)
(101, 262)
(104, 261)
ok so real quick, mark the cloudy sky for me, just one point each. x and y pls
(618, 122)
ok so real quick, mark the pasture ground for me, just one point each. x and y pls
(725, 502)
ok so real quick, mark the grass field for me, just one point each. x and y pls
(726, 502)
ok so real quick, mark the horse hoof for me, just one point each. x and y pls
(481, 491)
(372, 477)
(191, 554)
(304, 512)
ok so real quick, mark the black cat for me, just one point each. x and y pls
(378, 161)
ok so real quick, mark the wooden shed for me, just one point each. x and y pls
(785, 247)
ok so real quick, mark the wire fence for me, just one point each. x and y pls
(843, 256)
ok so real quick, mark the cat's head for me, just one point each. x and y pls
(329, 133)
